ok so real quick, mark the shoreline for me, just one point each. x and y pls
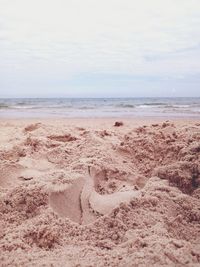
(100, 107)
(99, 118)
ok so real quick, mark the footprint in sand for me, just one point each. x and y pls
(81, 203)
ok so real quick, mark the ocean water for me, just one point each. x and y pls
(99, 107)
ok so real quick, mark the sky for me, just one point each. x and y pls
(99, 48)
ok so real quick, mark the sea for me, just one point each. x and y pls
(99, 107)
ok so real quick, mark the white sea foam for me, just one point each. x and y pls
(91, 107)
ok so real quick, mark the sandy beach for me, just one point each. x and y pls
(99, 133)
(99, 192)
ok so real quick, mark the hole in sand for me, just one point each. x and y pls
(67, 203)
(82, 204)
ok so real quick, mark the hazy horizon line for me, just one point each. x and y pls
(88, 97)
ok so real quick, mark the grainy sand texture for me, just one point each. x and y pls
(104, 192)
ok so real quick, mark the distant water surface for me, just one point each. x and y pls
(99, 107)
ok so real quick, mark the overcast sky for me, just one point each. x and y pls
(99, 48)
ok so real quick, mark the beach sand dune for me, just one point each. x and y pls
(83, 192)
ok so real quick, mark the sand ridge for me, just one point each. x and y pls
(139, 204)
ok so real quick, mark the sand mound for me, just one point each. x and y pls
(165, 151)
(185, 175)
(139, 204)
(12, 155)
(57, 155)
(32, 127)
(62, 138)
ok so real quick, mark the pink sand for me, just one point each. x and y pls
(93, 192)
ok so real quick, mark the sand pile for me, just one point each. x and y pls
(93, 194)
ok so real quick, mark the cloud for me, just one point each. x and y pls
(67, 38)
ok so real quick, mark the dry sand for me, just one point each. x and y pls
(86, 192)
